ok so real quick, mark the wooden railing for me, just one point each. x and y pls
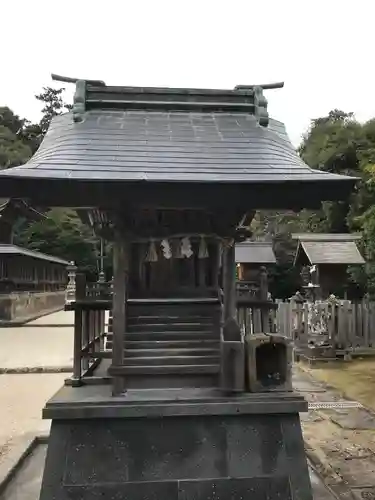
(91, 301)
(256, 316)
(248, 289)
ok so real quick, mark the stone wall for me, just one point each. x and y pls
(18, 307)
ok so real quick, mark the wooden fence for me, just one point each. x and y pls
(343, 325)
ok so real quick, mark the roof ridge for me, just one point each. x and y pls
(95, 94)
(327, 237)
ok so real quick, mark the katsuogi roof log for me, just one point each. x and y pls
(173, 147)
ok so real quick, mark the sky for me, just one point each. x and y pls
(322, 50)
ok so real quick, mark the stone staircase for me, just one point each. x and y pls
(172, 344)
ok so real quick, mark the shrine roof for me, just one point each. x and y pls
(329, 248)
(7, 249)
(133, 135)
(254, 252)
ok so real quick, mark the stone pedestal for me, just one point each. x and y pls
(269, 363)
(190, 444)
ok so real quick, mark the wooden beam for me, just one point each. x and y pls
(229, 282)
(120, 259)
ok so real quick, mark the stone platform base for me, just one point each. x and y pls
(202, 447)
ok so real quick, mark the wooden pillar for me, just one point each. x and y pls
(78, 326)
(232, 365)
(202, 269)
(265, 315)
(120, 261)
(215, 263)
(229, 282)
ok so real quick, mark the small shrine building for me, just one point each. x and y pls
(169, 175)
(324, 260)
(31, 283)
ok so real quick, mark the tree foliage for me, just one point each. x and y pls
(53, 105)
(339, 144)
(14, 147)
(62, 234)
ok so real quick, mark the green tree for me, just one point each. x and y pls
(14, 150)
(53, 105)
(334, 143)
(63, 235)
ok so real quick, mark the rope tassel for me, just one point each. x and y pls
(152, 255)
(203, 251)
(166, 249)
(186, 250)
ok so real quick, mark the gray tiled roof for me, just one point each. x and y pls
(254, 252)
(172, 146)
(132, 134)
(330, 248)
(15, 250)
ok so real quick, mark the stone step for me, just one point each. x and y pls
(176, 335)
(144, 319)
(164, 327)
(171, 344)
(179, 352)
(166, 369)
(172, 360)
(173, 310)
(167, 344)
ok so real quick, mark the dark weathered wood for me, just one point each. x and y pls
(90, 303)
(229, 282)
(78, 323)
(85, 337)
(264, 86)
(119, 307)
(232, 366)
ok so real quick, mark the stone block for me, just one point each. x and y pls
(232, 366)
(182, 457)
(269, 363)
